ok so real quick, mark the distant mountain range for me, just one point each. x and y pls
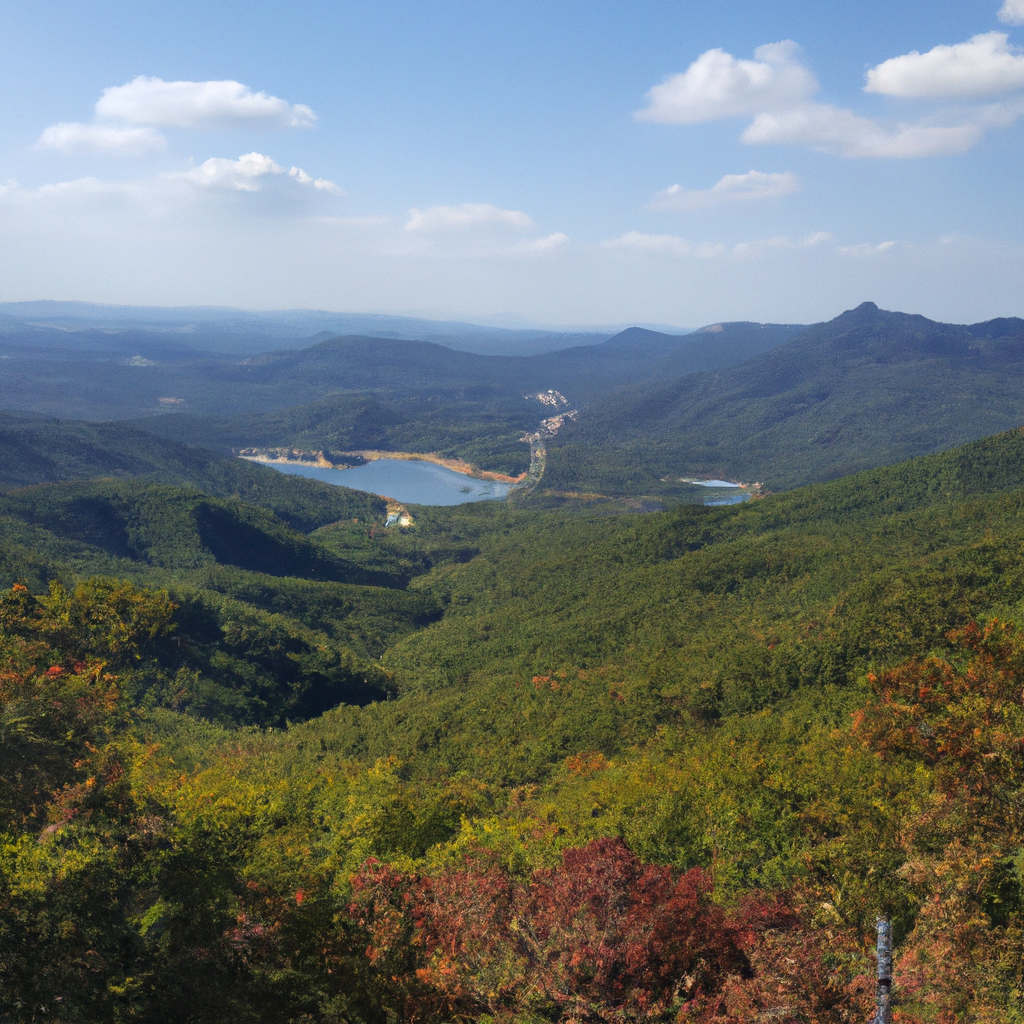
(126, 375)
(171, 332)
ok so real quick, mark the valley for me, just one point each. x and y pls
(261, 734)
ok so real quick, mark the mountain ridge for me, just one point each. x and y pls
(867, 388)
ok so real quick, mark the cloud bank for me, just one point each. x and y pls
(169, 240)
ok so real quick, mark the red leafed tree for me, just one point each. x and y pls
(601, 936)
(605, 929)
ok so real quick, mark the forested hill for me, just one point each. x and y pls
(37, 451)
(867, 388)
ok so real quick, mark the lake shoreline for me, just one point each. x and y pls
(275, 456)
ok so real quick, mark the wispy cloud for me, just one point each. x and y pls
(152, 101)
(829, 129)
(184, 193)
(466, 216)
(549, 243)
(731, 188)
(673, 245)
(866, 249)
(106, 140)
(759, 246)
(323, 184)
(670, 244)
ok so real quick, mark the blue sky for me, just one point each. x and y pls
(564, 163)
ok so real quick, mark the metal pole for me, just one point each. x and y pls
(884, 1014)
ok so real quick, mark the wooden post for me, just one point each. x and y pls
(884, 1014)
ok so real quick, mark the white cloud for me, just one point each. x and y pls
(1012, 12)
(323, 184)
(775, 90)
(730, 188)
(831, 129)
(152, 101)
(219, 192)
(104, 140)
(241, 174)
(466, 216)
(718, 85)
(984, 65)
(477, 230)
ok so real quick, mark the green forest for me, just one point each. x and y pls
(265, 760)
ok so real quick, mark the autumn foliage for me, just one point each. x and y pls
(135, 889)
(961, 719)
(601, 937)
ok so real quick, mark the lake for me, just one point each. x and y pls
(723, 492)
(405, 480)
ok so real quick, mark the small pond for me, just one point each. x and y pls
(407, 480)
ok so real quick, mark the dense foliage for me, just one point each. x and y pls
(511, 763)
